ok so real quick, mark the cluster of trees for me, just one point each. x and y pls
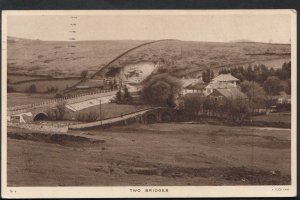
(197, 104)
(58, 113)
(272, 80)
(123, 97)
(207, 75)
(52, 89)
(161, 90)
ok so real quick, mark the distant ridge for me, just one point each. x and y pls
(250, 41)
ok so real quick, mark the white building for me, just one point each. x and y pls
(225, 78)
(221, 82)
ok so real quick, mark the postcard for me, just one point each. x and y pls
(149, 103)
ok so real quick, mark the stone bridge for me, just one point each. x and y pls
(146, 116)
(160, 114)
(38, 111)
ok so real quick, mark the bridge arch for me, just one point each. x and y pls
(166, 116)
(151, 118)
(40, 116)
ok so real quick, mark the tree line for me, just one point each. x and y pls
(272, 80)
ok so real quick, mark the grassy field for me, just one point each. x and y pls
(62, 58)
(157, 154)
(185, 57)
(13, 78)
(16, 99)
(274, 117)
(180, 57)
(42, 85)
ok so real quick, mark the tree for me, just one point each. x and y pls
(84, 74)
(273, 85)
(207, 76)
(127, 96)
(58, 95)
(32, 88)
(119, 96)
(60, 110)
(237, 110)
(255, 93)
(162, 90)
(193, 104)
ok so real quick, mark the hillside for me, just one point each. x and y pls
(188, 58)
(176, 57)
(62, 58)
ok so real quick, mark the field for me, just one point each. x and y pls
(62, 58)
(43, 85)
(184, 58)
(179, 57)
(16, 99)
(157, 154)
(274, 117)
(15, 78)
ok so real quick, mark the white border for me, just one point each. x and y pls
(174, 191)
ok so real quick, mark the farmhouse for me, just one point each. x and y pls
(232, 94)
(217, 85)
(195, 88)
(220, 82)
(192, 85)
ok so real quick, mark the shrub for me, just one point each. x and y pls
(58, 95)
(84, 74)
(57, 113)
(32, 88)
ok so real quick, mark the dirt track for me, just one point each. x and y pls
(159, 154)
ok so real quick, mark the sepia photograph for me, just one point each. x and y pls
(177, 103)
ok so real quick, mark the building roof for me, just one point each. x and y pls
(219, 85)
(190, 81)
(197, 86)
(224, 78)
(232, 93)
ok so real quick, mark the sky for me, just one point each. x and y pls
(274, 28)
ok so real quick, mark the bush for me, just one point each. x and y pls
(84, 74)
(52, 89)
(58, 113)
(58, 95)
(32, 88)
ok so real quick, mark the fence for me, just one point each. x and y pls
(53, 102)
